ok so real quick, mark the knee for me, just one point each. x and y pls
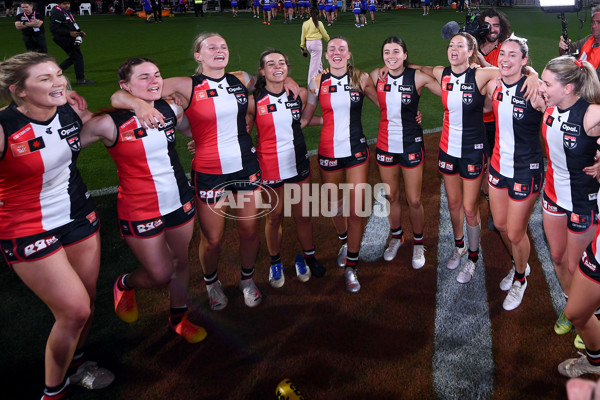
(77, 315)
(161, 276)
(211, 244)
(414, 202)
(471, 213)
(275, 219)
(514, 236)
(393, 197)
(558, 258)
(575, 316)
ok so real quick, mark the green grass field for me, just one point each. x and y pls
(113, 38)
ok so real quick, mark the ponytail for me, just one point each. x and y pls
(579, 73)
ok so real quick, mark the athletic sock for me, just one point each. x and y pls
(593, 356)
(474, 255)
(177, 314)
(474, 236)
(519, 277)
(122, 285)
(459, 242)
(276, 259)
(397, 233)
(343, 237)
(418, 239)
(247, 273)
(352, 260)
(309, 254)
(209, 279)
(55, 392)
(76, 362)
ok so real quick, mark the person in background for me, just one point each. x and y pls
(31, 25)
(155, 203)
(67, 34)
(313, 32)
(147, 6)
(157, 10)
(49, 226)
(199, 7)
(489, 48)
(588, 48)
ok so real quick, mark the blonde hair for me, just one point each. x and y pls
(198, 44)
(354, 74)
(579, 73)
(14, 71)
(471, 45)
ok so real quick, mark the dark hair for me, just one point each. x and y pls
(399, 41)
(314, 15)
(30, 2)
(261, 81)
(126, 69)
(505, 30)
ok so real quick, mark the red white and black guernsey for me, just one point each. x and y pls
(342, 133)
(217, 115)
(463, 130)
(40, 184)
(518, 152)
(152, 182)
(398, 97)
(280, 144)
(569, 149)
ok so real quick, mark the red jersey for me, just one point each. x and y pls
(217, 115)
(40, 184)
(152, 182)
(280, 143)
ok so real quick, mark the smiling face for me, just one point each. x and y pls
(45, 87)
(552, 90)
(495, 28)
(275, 68)
(510, 60)
(458, 51)
(145, 82)
(394, 57)
(338, 55)
(213, 54)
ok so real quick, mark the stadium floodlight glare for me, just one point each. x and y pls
(561, 6)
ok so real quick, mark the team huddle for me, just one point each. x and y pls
(49, 226)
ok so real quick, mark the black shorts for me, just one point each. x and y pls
(588, 265)
(41, 245)
(406, 160)
(210, 188)
(576, 223)
(276, 184)
(518, 188)
(468, 167)
(337, 164)
(154, 226)
(489, 139)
